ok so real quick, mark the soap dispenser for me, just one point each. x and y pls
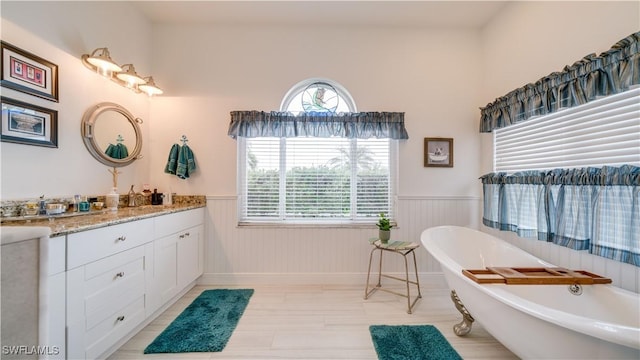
(113, 198)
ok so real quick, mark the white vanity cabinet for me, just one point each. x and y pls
(105, 285)
(178, 255)
(119, 277)
(190, 255)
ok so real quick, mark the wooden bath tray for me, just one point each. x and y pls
(534, 276)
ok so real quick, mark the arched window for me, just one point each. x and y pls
(316, 178)
(321, 95)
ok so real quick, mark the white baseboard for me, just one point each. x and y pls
(427, 280)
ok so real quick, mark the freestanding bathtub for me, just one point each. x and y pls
(536, 321)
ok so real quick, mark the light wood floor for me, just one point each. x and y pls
(320, 322)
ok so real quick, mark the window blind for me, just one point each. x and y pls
(315, 179)
(602, 132)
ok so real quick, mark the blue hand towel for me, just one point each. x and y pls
(118, 151)
(172, 162)
(111, 150)
(191, 160)
(123, 152)
(186, 162)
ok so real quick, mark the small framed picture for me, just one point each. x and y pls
(23, 123)
(28, 73)
(438, 152)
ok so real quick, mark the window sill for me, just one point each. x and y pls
(311, 225)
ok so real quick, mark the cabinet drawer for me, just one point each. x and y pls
(172, 223)
(116, 325)
(112, 282)
(91, 245)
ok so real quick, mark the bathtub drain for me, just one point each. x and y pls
(575, 289)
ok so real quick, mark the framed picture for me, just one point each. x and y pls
(28, 73)
(23, 123)
(438, 152)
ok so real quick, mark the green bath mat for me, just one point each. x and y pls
(414, 342)
(204, 326)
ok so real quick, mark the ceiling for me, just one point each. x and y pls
(432, 14)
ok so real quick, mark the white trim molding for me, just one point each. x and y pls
(427, 280)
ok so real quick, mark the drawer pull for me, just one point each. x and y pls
(121, 238)
(120, 274)
(120, 318)
(187, 234)
(182, 236)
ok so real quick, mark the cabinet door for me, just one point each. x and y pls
(190, 255)
(165, 254)
(105, 301)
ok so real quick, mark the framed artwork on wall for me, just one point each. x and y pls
(28, 73)
(23, 123)
(438, 152)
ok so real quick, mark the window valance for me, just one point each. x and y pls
(604, 176)
(612, 72)
(360, 125)
(592, 209)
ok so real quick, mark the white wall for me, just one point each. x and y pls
(424, 73)
(530, 40)
(61, 32)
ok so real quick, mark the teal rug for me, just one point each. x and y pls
(204, 326)
(414, 342)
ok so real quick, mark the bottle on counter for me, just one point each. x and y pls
(76, 203)
(84, 204)
(156, 197)
(42, 206)
(112, 199)
(132, 197)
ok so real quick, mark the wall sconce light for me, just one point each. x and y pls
(150, 87)
(100, 61)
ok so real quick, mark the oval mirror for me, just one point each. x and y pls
(111, 134)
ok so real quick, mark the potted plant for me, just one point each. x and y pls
(384, 228)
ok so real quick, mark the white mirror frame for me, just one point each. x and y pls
(87, 128)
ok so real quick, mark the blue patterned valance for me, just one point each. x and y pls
(614, 71)
(607, 175)
(360, 125)
(591, 209)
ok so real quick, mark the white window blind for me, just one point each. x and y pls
(602, 132)
(315, 179)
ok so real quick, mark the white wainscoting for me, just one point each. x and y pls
(321, 255)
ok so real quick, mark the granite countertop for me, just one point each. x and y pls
(63, 225)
